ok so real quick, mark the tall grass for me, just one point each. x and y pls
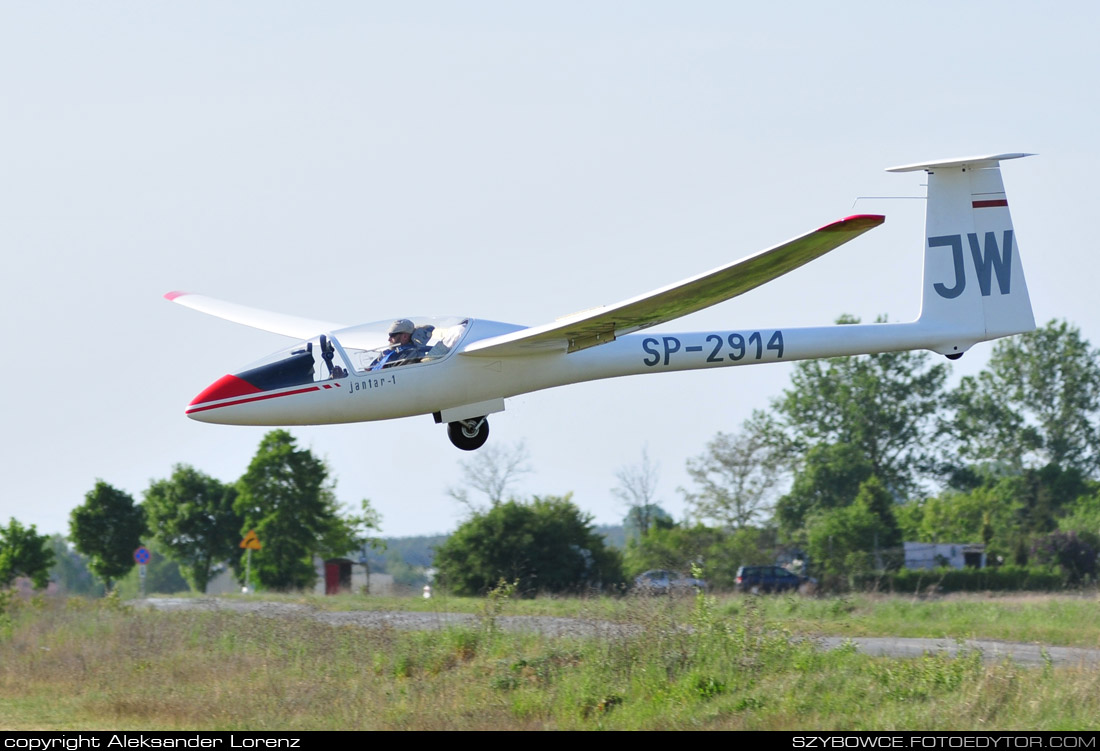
(695, 664)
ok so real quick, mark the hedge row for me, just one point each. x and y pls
(998, 579)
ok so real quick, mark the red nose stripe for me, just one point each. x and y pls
(262, 397)
(225, 387)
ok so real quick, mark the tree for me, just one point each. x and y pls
(107, 529)
(1075, 554)
(884, 405)
(545, 545)
(829, 477)
(285, 496)
(492, 472)
(1036, 403)
(957, 517)
(24, 552)
(858, 538)
(637, 489)
(1083, 515)
(191, 515)
(735, 476)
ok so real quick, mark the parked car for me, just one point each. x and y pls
(760, 579)
(663, 581)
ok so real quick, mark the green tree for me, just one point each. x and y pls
(829, 477)
(883, 405)
(545, 545)
(286, 497)
(107, 528)
(873, 494)
(957, 517)
(857, 538)
(841, 542)
(192, 518)
(734, 479)
(24, 552)
(1036, 403)
(1083, 515)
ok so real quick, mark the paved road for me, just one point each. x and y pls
(992, 651)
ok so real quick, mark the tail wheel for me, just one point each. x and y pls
(469, 435)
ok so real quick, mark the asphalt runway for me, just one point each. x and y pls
(991, 651)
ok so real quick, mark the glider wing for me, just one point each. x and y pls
(602, 325)
(265, 320)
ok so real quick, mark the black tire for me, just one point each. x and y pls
(459, 436)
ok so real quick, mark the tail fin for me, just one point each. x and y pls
(974, 288)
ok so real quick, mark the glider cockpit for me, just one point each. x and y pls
(357, 350)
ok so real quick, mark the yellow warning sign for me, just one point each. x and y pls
(251, 541)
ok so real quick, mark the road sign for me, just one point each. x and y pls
(141, 555)
(251, 541)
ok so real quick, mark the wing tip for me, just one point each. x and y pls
(171, 296)
(861, 222)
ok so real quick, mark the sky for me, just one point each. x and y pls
(359, 161)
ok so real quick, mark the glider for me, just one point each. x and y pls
(460, 369)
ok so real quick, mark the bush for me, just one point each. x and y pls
(547, 545)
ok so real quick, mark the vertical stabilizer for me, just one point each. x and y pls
(974, 284)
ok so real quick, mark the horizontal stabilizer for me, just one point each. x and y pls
(973, 162)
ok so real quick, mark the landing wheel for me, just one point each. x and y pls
(469, 435)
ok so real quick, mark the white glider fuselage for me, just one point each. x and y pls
(459, 381)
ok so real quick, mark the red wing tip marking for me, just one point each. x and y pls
(173, 295)
(854, 222)
(990, 204)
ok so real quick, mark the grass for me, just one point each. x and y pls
(1054, 620)
(694, 663)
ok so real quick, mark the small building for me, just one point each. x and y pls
(928, 555)
(343, 575)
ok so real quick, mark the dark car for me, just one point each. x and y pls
(759, 579)
(662, 581)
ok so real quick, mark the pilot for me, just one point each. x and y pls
(402, 349)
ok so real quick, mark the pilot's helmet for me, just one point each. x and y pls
(402, 326)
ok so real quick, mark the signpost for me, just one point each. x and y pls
(250, 542)
(141, 557)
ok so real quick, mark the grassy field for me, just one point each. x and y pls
(695, 663)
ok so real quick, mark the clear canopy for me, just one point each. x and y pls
(358, 349)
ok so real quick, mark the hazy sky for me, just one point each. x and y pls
(356, 161)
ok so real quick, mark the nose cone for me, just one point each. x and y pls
(214, 396)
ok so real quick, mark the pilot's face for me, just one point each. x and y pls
(400, 338)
